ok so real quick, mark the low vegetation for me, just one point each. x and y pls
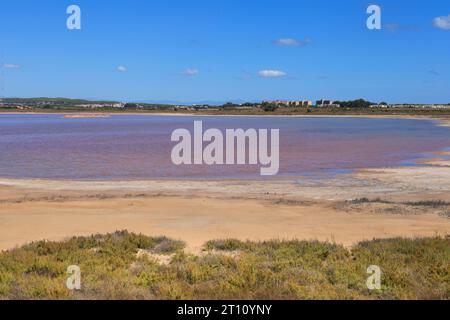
(111, 268)
(355, 107)
(427, 203)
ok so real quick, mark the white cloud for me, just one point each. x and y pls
(292, 42)
(191, 72)
(11, 66)
(442, 22)
(272, 74)
(122, 69)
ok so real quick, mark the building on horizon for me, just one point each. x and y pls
(293, 103)
(326, 103)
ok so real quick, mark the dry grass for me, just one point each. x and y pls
(111, 269)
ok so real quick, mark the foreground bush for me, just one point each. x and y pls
(129, 266)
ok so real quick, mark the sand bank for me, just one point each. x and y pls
(198, 211)
(197, 220)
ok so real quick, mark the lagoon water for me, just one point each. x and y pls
(138, 147)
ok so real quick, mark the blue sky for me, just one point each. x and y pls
(226, 50)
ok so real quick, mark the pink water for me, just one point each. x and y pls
(139, 147)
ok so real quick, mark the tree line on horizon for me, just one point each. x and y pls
(66, 103)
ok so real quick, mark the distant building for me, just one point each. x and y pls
(294, 103)
(321, 103)
(378, 106)
(326, 103)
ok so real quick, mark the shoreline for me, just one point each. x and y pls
(439, 159)
(192, 114)
(196, 212)
(444, 120)
(346, 209)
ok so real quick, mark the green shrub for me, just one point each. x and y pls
(228, 269)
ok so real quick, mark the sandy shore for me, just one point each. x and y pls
(198, 211)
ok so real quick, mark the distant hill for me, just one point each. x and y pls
(64, 101)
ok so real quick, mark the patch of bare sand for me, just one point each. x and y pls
(159, 258)
(198, 211)
(197, 220)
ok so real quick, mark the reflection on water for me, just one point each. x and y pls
(139, 147)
